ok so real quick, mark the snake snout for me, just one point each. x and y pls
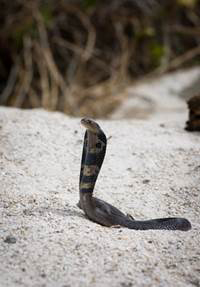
(90, 125)
(86, 122)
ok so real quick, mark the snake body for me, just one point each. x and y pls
(99, 211)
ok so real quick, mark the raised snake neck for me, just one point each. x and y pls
(99, 211)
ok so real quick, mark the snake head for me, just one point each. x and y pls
(91, 125)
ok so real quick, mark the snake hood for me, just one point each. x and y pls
(94, 149)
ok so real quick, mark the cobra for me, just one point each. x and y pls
(99, 211)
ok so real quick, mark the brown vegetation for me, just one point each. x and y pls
(77, 56)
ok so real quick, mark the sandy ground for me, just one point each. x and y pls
(151, 169)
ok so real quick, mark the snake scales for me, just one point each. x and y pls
(99, 211)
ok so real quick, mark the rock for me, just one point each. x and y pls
(193, 124)
(10, 239)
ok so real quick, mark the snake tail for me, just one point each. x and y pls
(171, 223)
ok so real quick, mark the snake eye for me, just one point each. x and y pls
(87, 120)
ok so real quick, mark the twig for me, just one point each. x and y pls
(192, 31)
(44, 81)
(91, 39)
(53, 70)
(180, 60)
(125, 53)
(79, 51)
(4, 97)
(26, 75)
(174, 64)
(34, 99)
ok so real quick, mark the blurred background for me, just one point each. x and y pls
(79, 56)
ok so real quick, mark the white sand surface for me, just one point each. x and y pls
(56, 245)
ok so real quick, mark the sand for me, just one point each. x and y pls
(151, 169)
